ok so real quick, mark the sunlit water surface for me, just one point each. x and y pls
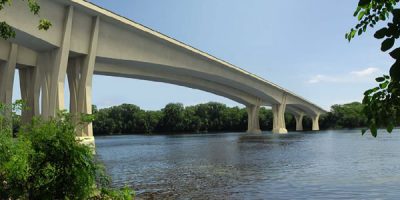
(324, 165)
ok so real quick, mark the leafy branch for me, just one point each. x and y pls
(7, 32)
(382, 103)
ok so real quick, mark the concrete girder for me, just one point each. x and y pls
(186, 81)
(217, 78)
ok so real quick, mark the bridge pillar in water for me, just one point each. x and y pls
(315, 122)
(278, 110)
(299, 122)
(253, 122)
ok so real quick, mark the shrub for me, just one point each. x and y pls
(45, 161)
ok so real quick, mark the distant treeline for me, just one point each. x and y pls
(209, 117)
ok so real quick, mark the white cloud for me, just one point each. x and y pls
(354, 76)
(322, 78)
(366, 72)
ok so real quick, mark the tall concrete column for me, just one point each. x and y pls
(253, 119)
(42, 82)
(26, 79)
(278, 110)
(73, 73)
(315, 122)
(59, 70)
(37, 85)
(7, 72)
(299, 122)
(85, 84)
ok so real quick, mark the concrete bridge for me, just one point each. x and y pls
(86, 40)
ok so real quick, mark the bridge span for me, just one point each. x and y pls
(86, 40)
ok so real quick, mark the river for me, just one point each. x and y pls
(320, 165)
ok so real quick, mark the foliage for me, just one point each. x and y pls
(344, 116)
(174, 118)
(382, 106)
(211, 117)
(45, 161)
(6, 31)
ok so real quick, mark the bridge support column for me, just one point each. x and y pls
(37, 85)
(42, 83)
(59, 69)
(73, 74)
(315, 122)
(253, 119)
(26, 79)
(299, 122)
(7, 72)
(278, 110)
(85, 82)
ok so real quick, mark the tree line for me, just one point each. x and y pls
(210, 117)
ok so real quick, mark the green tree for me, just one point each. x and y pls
(173, 118)
(6, 31)
(45, 161)
(349, 115)
(266, 119)
(382, 103)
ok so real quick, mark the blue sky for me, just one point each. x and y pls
(299, 45)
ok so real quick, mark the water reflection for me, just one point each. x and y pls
(331, 164)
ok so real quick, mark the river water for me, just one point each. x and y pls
(323, 165)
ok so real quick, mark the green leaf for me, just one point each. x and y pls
(44, 24)
(381, 33)
(384, 85)
(380, 79)
(357, 11)
(364, 3)
(360, 31)
(361, 15)
(395, 71)
(386, 76)
(396, 13)
(395, 54)
(387, 44)
(368, 92)
(352, 33)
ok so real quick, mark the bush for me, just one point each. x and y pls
(46, 162)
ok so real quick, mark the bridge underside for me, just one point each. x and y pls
(87, 40)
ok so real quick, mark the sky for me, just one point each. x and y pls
(298, 45)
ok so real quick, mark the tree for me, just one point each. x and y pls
(173, 118)
(382, 103)
(45, 161)
(7, 32)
